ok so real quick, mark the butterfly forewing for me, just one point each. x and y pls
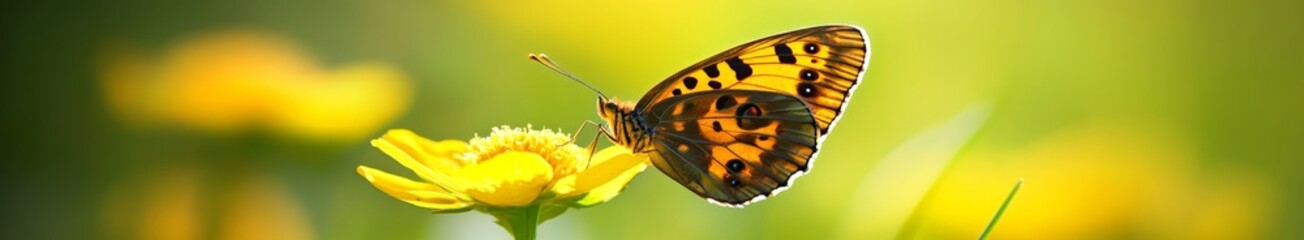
(818, 65)
(743, 124)
(732, 146)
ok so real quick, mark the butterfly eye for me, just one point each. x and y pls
(609, 105)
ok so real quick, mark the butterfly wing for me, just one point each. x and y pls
(733, 146)
(819, 65)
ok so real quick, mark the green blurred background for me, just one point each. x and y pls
(245, 119)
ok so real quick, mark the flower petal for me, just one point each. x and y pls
(421, 194)
(608, 165)
(613, 168)
(444, 151)
(606, 192)
(430, 160)
(508, 179)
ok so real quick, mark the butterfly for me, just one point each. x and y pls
(742, 125)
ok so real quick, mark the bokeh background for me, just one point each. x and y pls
(1167, 119)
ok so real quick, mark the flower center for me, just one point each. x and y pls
(554, 147)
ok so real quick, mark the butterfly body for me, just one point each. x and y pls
(627, 126)
(740, 126)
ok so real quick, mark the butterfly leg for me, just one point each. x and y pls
(580, 129)
(592, 148)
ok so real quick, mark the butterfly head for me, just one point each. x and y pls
(624, 127)
(612, 110)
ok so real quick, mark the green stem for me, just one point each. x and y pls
(521, 222)
(1000, 211)
(526, 226)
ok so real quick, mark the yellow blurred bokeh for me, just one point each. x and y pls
(180, 204)
(1129, 175)
(228, 81)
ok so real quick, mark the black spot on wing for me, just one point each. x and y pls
(784, 53)
(741, 69)
(806, 90)
(733, 181)
(811, 48)
(747, 117)
(725, 101)
(809, 75)
(711, 71)
(735, 165)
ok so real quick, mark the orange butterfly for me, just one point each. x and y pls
(740, 126)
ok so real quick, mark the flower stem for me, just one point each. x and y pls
(527, 225)
(521, 222)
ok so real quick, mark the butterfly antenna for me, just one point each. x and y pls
(547, 62)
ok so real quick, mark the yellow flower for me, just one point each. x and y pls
(182, 203)
(230, 81)
(519, 175)
(1107, 178)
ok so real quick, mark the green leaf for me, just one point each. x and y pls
(550, 211)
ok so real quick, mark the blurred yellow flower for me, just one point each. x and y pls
(234, 80)
(184, 203)
(1101, 180)
(520, 175)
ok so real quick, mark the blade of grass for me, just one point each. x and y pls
(893, 188)
(1000, 211)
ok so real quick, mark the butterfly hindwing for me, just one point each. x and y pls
(743, 124)
(818, 65)
(733, 146)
